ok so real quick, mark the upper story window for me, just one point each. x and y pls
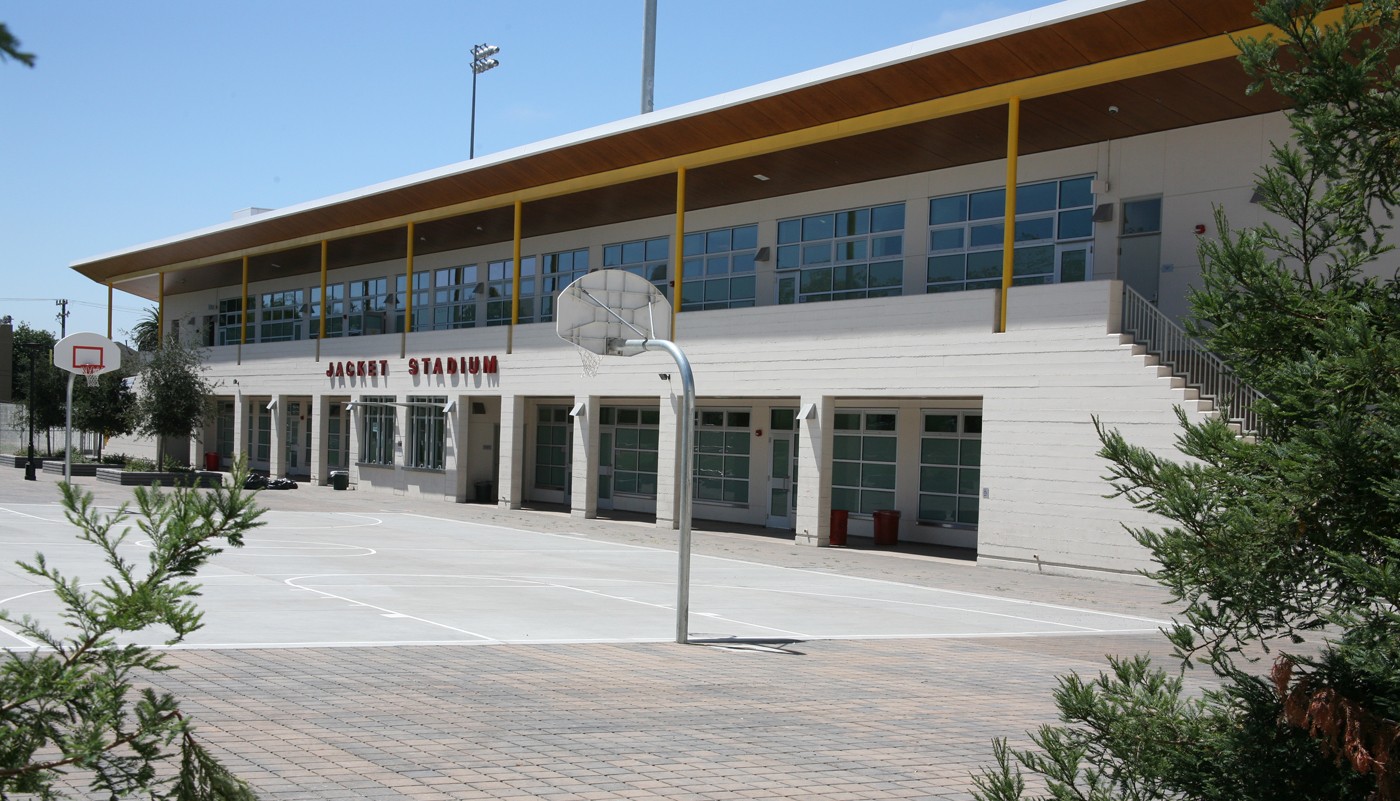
(454, 298)
(857, 253)
(559, 270)
(281, 315)
(500, 280)
(645, 257)
(1054, 231)
(370, 308)
(719, 268)
(230, 323)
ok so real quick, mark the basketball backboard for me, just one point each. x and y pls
(86, 353)
(601, 310)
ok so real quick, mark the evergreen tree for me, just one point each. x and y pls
(82, 701)
(1282, 546)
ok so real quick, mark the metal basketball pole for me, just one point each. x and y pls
(687, 415)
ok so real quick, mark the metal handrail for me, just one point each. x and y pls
(1189, 360)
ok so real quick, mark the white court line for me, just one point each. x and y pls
(33, 517)
(984, 596)
(291, 582)
(374, 522)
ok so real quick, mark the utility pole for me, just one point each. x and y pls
(62, 317)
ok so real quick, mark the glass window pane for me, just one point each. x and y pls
(788, 257)
(850, 223)
(938, 479)
(717, 241)
(1036, 197)
(818, 280)
(844, 498)
(941, 423)
(845, 474)
(845, 447)
(736, 442)
(986, 235)
(1038, 228)
(887, 274)
(1076, 192)
(1074, 265)
(887, 218)
(819, 253)
(934, 450)
(820, 226)
(1142, 216)
(972, 424)
(782, 419)
(946, 239)
(1077, 224)
(848, 421)
(984, 264)
(741, 288)
(743, 263)
(938, 508)
(789, 231)
(942, 210)
(879, 449)
(657, 249)
(709, 465)
(709, 489)
(986, 205)
(693, 245)
(737, 419)
(1034, 261)
(872, 501)
(967, 510)
(745, 237)
(971, 450)
(883, 421)
(878, 476)
(945, 268)
(881, 247)
(969, 479)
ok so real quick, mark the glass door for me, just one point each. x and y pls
(782, 479)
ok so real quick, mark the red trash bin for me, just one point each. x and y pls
(886, 528)
(211, 461)
(839, 519)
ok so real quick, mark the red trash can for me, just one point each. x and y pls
(839, 519)
(886, 528)
(211, 461)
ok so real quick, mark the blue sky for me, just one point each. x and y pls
(151, 118)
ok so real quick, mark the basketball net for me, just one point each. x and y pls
(591, 361)
(90, 373)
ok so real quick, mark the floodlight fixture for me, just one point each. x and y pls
(481, 62)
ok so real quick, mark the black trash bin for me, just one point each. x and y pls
(340, 479)
(483, 492)
(886, 528)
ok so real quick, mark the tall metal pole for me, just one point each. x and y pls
(687, 477)
(29, 465)
(471, 148)
(649, 56)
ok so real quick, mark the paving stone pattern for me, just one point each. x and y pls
(845, 719)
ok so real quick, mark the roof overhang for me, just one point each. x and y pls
(929, 105)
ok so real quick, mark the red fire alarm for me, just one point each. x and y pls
(1200, 230)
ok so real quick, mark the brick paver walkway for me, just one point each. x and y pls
(850, 719)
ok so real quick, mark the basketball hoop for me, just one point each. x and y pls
(90, 372)
(591, 361)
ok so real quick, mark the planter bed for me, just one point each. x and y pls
(55, 466)
(10, 460)
(139, 478)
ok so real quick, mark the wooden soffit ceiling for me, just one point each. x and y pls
(1162, 63)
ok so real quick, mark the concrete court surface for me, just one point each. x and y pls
(332, 663)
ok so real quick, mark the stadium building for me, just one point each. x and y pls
(836, 245)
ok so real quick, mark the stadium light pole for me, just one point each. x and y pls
(481, 62)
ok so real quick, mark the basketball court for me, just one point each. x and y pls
(394, 578)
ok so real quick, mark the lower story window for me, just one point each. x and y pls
(427, 431)
(950, 467)
(636, 434)
(722, 456)
(376, 429)
(552, 448)
(863, 461)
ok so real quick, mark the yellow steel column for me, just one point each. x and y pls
(515, 281)
(243, 313)
(678, 250)
(408, 303)
(325, 301)
(1008, 238)
(160, 315)
(109, 311)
